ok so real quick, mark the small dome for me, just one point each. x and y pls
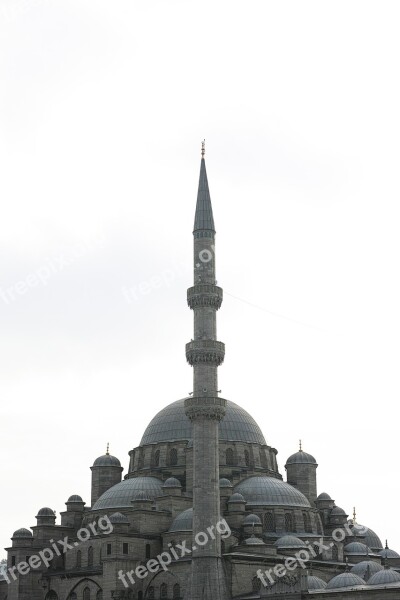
(315, 583)
(371, 538)
(301, 458)
(237, 498)
(183, 522)
(270, 491)
(107, 461)
(337, 511)
(22, 533)
(172, 482)
(324, 496)
(388, 553)
(254, 541)
(289, 542)
(366, 569)
(356, 548)
(119, 519)
(74, 498)
(224, 483)
(46, 512)
(252, 520)
(384, 577)
(345, 580)
(122, 494)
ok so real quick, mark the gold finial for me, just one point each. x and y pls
(300, 449)
(203, 148)
(108, 448)
(354, 516)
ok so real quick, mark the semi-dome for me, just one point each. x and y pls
(74, 498)
(345, 580)
(107, 461)
(183, 522)
(22, 533)
(172, 424)
(119, 519)
(172, 482)
(388, 553)
(356, 548)
(289, 542)
(366, 569)
(371, 538)
(46, 512)
(270, 491)
(384, 577)
(315, 583)
(223, 482)
(301, 458)
(252, 520)
(122, 494)
(254, 541)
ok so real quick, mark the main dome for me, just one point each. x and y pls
(172, 424)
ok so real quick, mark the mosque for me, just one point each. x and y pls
(203, 493)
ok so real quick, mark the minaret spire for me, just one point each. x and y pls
(205, 408)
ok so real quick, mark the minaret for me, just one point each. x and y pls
(205, 408)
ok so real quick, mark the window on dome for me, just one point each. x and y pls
(229, 457)
(150, 593)
(99, 595)
(176, 591)
(73, 596)
(51, 596)
(163, 590)
(90, 557)
(156, 460)
(269, 521)
(86, 594)
(288, 522)
(247, 458)
(173, 457)
(335, 553)
(307, 522)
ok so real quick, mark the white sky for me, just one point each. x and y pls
(102, 109)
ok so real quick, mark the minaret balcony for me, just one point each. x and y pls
(210, 407)
(205, 352)
(204, 295)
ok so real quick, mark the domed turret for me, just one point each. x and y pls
(172, 487)
(22, 534)
(301, 469)
(46, 516)
(315, 583)
(106, 472)
(345, 580)
(384, 577)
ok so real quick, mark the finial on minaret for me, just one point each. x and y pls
(108, 449)
(354, 516)
(203, 148)
(300, 446)
(386, 546)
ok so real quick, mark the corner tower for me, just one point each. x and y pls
(205, 408)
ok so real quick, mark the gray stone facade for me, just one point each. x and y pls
(153, 534)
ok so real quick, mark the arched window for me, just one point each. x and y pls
(150, 593)
(99, 595)
(288, 522)
(247, 458)
(86, 594)
(176, 591)
(307, 522)
(173, 457)
(269, 521)
(90, 557)
(264, 462)
(73, 596)
(141, 459)
(163, 590)
(229, 457)
(130, 595)
(79, 559)
(156, 458)
(335, 553)
(140, 595)
(148, 550)
(256, 584)
(51, 595)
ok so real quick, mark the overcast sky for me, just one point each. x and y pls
(103, 106)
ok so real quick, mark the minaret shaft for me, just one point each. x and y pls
(205, 408)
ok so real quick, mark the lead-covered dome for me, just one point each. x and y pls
(107, 461)
(371, 538)
(122, 494)
(345, 580)
(384, 577)
(269, 491)
(366, 569)
(315, 583)
(301, 458)
(22, 533)
(183, 522)
(172, 424)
